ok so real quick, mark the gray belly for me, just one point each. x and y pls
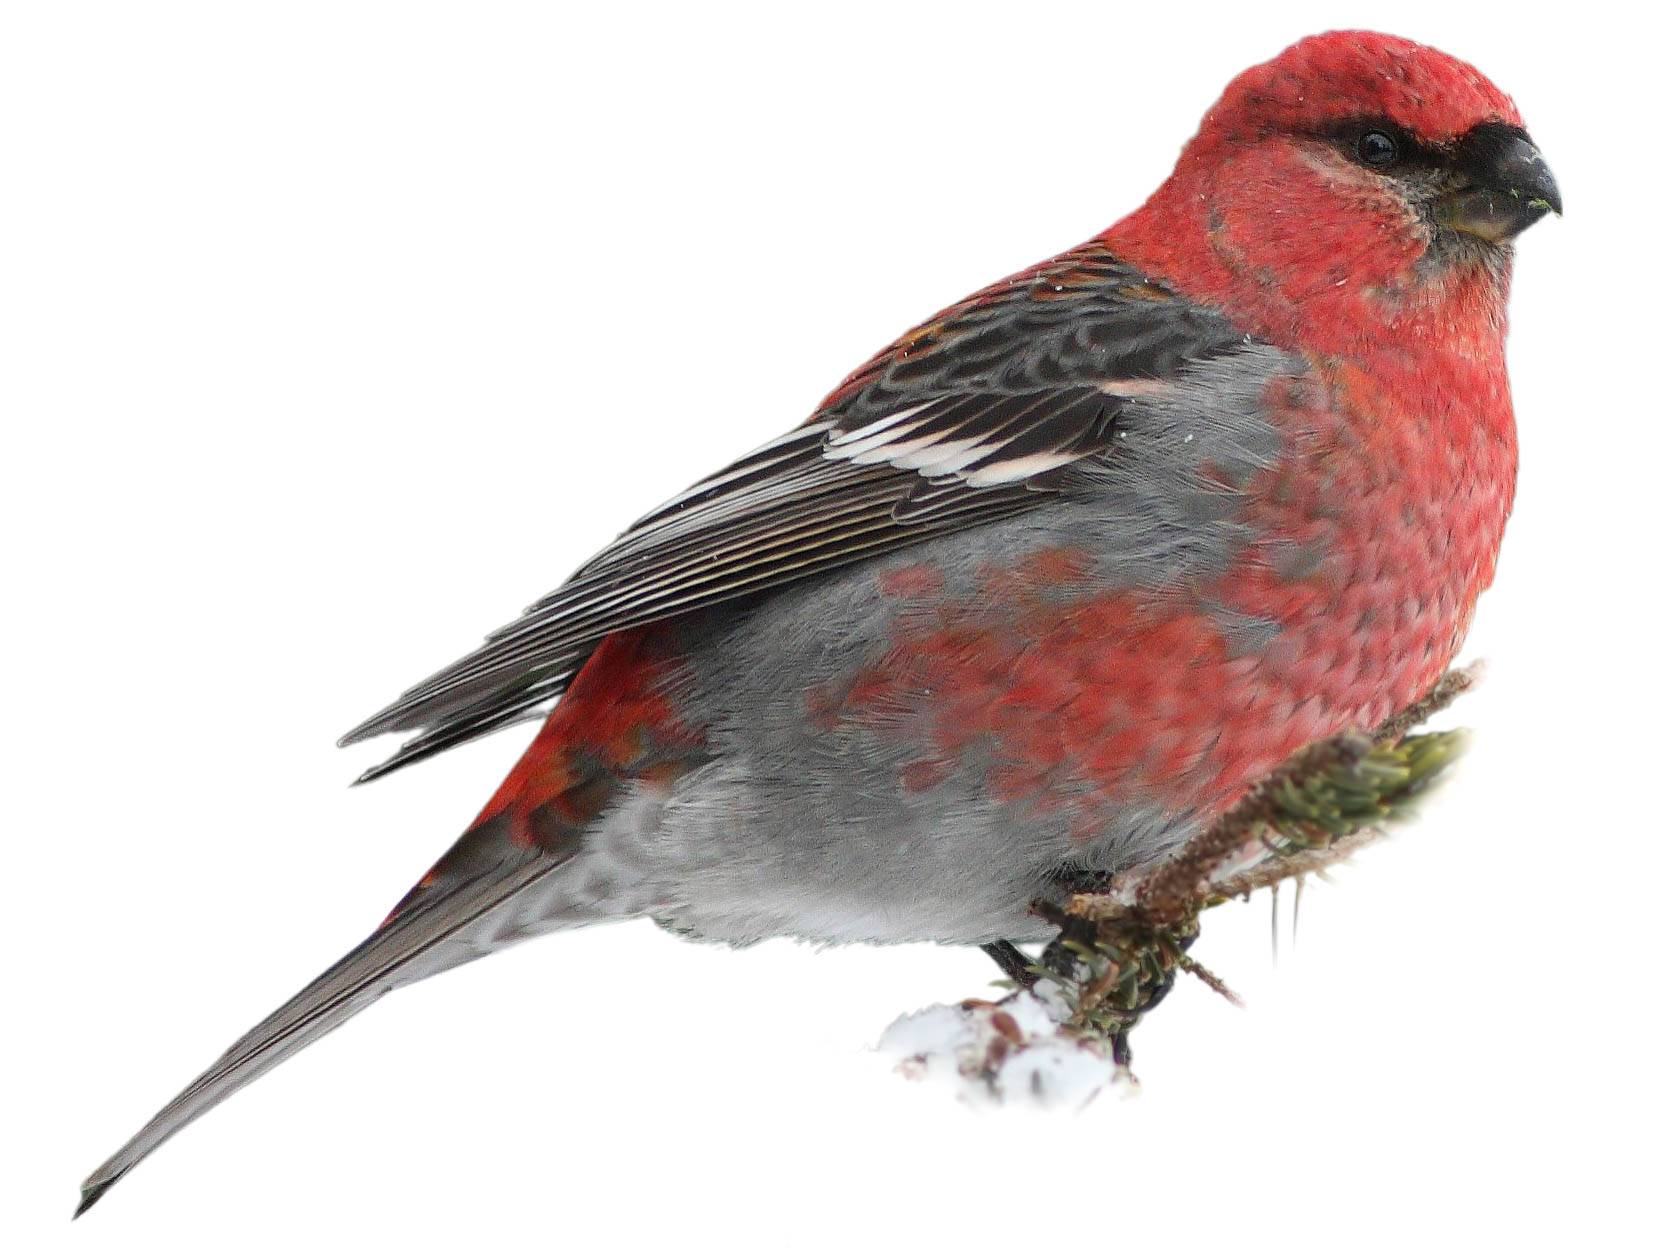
(739, 861)
(803, 828)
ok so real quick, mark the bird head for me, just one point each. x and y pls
(1350, 178)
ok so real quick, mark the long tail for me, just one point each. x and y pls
(461, 911)
(499, 884)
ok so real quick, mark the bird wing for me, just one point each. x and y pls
(976, 415)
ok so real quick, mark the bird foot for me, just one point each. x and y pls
(1017, 965)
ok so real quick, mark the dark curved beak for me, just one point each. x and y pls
(1506, 186)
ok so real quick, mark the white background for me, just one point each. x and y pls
(334, 333)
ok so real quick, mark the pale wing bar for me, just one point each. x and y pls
(791, 509)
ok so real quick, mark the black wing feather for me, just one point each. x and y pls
(967, 420)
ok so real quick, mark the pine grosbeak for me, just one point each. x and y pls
(1037, 590)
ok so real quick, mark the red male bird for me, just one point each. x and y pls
(1040, 588)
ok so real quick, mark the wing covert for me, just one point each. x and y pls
(974, 416)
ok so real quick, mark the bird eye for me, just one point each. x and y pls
(1378, 148)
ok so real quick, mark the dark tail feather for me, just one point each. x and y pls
(434, 929)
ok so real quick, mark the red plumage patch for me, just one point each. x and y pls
(613, 725)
